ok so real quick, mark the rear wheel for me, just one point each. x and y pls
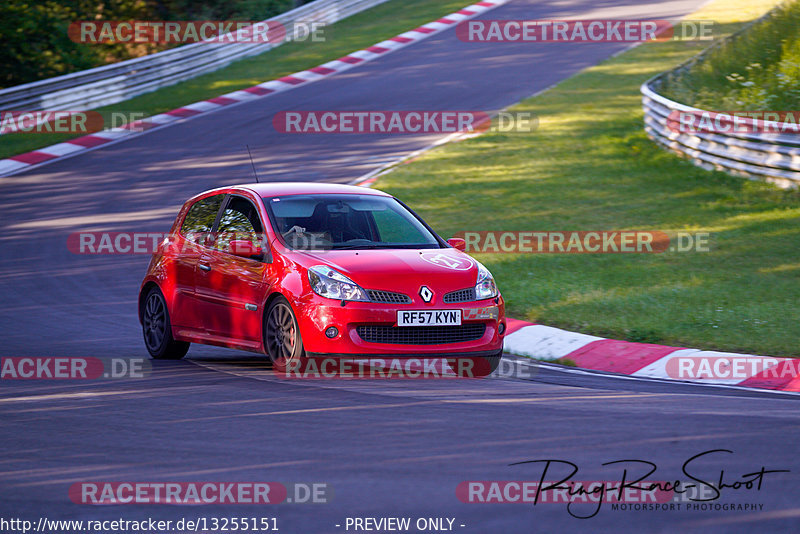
(157, 329)
(282, 341)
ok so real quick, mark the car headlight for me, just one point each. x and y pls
(485, 288)
(334, 285)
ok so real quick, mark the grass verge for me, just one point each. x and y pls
(589, 166)
(351, 34)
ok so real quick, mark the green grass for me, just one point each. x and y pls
(589, 166)
(759, 69)
(351, 34)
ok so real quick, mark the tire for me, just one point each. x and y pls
(282, 340)
(475, 366)
(494, 362)
(157, 329)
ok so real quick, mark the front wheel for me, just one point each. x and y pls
(282, 341)
(475, 366)
(157, 329)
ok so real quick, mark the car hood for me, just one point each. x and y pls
(403, 270)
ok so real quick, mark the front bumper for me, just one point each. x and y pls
(316, 314)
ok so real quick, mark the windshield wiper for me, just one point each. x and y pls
(350, 246)
(345, 246)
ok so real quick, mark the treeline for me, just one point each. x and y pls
(35, 43)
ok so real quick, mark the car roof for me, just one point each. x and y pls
(306, 188)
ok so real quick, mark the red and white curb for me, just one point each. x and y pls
(652, 361)
(42, 156)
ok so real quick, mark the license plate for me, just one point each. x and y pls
(428, 317)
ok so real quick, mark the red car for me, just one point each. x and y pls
(298, 270)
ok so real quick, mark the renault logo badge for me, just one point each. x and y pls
(425, 293)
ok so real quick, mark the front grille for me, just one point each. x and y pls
(421, 335)
(388, 297)
(462, 295)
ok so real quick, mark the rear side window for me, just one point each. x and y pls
(200, 217)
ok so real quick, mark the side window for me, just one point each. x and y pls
(200, 218)
(394, 228)
(239, 221)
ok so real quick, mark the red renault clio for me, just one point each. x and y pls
(297, 270)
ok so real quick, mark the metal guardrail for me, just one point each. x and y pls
(114, 83)
(771, 157)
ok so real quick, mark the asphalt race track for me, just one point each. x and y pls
(383, 447)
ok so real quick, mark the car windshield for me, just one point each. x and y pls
(325, 222)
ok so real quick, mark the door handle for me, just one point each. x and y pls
(204, 267)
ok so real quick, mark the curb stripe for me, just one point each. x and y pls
(222, 100)
(256, 90)
(61, 149)
(512, 325)
(644, 359)
(182, 112)
(291, 80)
(9, 166)
(89, 141)
(616, 356)
(545, 342)
(32, 158)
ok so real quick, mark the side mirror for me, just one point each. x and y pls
(457, 243)
(244, 249)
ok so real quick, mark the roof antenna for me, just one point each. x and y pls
(252, 163)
